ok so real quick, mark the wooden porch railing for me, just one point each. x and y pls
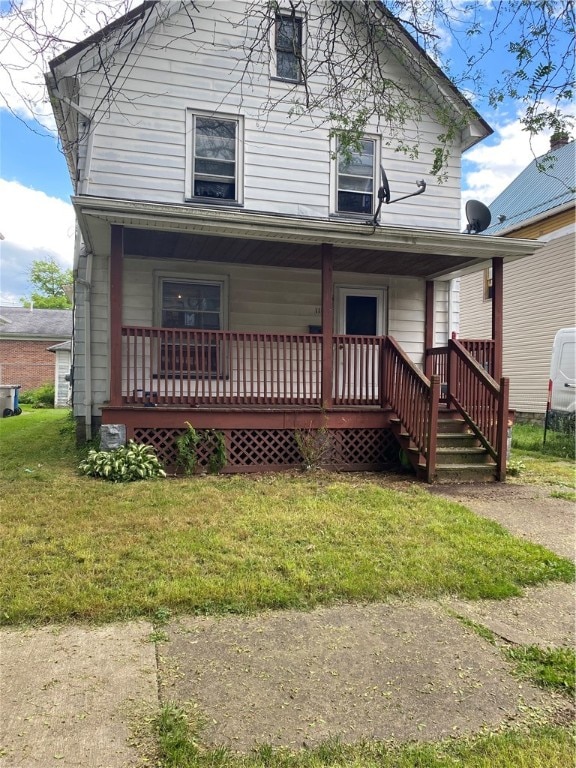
(356, 370)
(414, 399)
(165, 366)
(177, 367)
(481, 401)
(482, 350)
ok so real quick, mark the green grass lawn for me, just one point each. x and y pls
(551, 463)
(544, 747)
(75, 548)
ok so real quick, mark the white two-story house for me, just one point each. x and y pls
(236, 270)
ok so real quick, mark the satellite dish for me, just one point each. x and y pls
(479, 217)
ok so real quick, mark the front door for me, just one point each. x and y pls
(360, 311)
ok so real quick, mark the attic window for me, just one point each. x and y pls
(288, 47)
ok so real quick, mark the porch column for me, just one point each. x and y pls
(497, 314)
(327, 322)
(115, 298)
(428, 327)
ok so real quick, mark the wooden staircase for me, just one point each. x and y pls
(460, 457)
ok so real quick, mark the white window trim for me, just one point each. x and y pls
(377, 139)
(286, 11)
(381, 294)
(191, 114)
(182, 277)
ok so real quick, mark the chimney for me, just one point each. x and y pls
(559, 139)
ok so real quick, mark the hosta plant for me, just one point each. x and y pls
(123, 465)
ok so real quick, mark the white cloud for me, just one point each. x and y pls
(34, 226)
(35, 221)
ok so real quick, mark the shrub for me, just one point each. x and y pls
(123, 465)
(40, 397)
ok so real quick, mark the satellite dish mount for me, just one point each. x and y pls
(384, 195)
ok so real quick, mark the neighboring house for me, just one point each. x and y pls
(232, 276)
(62, 371)
(540, 291)
(26, 337)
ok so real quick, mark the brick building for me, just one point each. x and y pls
(25, 335)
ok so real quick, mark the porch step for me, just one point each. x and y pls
(466, 456)
(462, 473)
(459, 456)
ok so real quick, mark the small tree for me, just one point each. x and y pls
(49, 281)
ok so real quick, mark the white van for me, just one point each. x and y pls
(562, 385)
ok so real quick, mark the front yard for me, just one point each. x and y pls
(75, 548)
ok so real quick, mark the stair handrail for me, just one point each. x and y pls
(480, 400)
(414, 400)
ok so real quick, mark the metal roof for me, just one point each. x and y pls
(30, 323)
(536, 192)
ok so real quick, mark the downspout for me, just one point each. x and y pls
(86, 284)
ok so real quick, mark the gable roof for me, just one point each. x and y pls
(535, 193)
(20, 322)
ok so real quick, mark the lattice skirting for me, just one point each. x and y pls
(258, 450)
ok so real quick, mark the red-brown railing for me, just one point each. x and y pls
(482, 350)
(356, 370)
(165, 366)
(481, 401)
(437, 365)
(414, 400)
(174, 366)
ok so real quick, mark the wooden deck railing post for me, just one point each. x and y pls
(327, 324)
(502, 433)
(450, 373)
(428, 328)
(432, 440)
(497, 315)
(115, 279)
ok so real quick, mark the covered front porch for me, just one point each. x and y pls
(370, 390)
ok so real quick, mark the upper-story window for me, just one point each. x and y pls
(356, 179)
(214, 157)
(488, 286)
(288, 47)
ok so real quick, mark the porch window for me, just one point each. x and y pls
(356, 173)
(214, 157)
(288, 47)
(191, 306)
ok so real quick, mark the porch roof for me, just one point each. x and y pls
(240, 236)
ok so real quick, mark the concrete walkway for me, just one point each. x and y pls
(405, 670)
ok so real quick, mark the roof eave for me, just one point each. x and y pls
(268, 227)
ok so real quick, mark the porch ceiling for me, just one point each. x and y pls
(146, 244)
(238, 236)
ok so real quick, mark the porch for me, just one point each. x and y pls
(264, 390)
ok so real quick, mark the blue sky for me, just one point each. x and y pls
(36, 217)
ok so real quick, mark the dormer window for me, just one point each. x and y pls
(214, 158)
(288, 47)
(356, 175)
